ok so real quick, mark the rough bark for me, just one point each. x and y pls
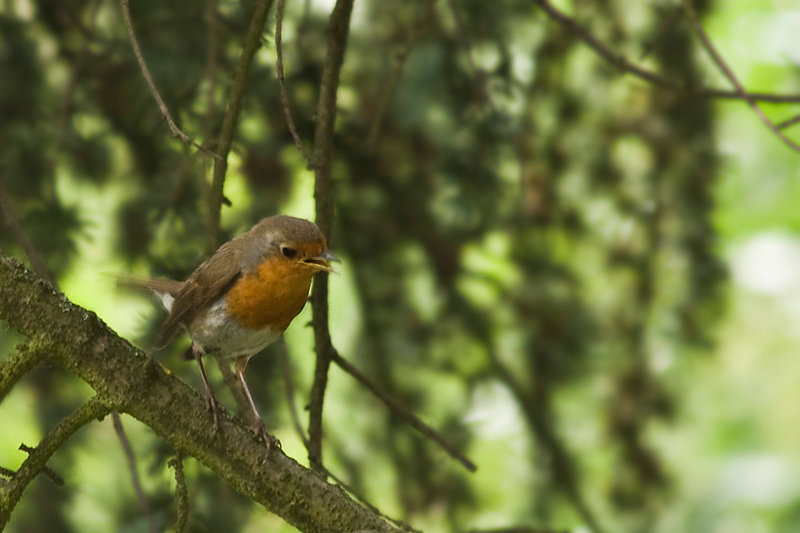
(135, 384)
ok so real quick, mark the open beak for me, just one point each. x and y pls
(323, 261)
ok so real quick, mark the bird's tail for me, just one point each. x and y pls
(164, 288)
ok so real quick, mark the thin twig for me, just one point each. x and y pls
(212, 53)
(287, 111)
(176, 131)
(790, 122)
(131, 460)
(303, 26)
(252, 42)
(625, 66)
(27, 357)
(390, 85)
(403, 413)
(338, 27)
(181, 493)
(14, 226)
(38, 457)
(726, 70)
(47, 471)
(287, 377)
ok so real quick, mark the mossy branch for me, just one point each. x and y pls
(137, 385)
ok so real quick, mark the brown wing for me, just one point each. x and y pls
(204, 286)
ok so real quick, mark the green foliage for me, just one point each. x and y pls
(525, 233)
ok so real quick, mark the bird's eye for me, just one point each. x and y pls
(288, 252)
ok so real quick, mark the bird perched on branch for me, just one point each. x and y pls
(243, 297)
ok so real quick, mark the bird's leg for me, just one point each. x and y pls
(211, 401)
(258, 424)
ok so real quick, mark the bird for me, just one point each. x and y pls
(243, 297)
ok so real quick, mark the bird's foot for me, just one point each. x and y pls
(260, 430)
(212, 406)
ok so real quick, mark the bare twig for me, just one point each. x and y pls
(303, 26)
(790, 122)
(212, 52)
(181, 492)
(287, 111)
(14, 226)
(28, 356)
(131, 460)
(47, 471)
(252, 42)
(390, 85)
(726, 70)
(625, 66)
(338, 27)
(38, 457)
(287, 377)
(176, 131)
(403, 413)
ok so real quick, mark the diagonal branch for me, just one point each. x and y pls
(252, 42)
(322, 163)
(28, 356)
(282, 82)
(135, 384)
(37, 459)
(726, 70)
(176, 131)
(403, 413)
(626, 66)
(130, 457)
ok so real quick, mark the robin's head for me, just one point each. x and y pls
(296, 243)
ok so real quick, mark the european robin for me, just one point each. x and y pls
(244, 296)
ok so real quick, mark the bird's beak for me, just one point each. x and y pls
(323, 261)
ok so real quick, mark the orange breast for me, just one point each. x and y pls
(270, 298)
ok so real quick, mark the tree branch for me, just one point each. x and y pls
(338, 27)
(176, 131)
(726, 70)
(27, 357)
(37, 458)
(181, 492)
(625, 66)
(131, 460)
(135, 384)
(403, 413)
(252, 42)
(287, 111)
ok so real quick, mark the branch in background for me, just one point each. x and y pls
(252, 42)
(403, 413)
(547, 437)
(287, 111)
(655, 43)
(181, 493)
(287, 377)
(622, 63)
(133, 383)
(338, 27)
(399, 60)
(726, 70)
(176, 132)
(12, 223)
(212, 53)
(131, 459)
(37, 459)
(31, 355)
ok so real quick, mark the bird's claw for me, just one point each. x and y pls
(212, 405)
(261, 432)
